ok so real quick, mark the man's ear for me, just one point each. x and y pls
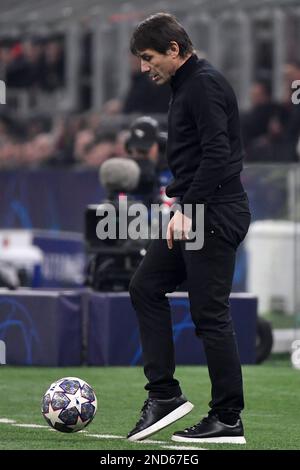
(173, 49)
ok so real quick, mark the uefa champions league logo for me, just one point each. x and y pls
(2, 92)
(2, 352)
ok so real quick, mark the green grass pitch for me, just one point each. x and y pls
(271, 417)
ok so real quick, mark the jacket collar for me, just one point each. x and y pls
(184, 72)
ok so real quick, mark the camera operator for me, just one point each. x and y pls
(143, 146)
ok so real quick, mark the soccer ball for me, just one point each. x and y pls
(69, 404)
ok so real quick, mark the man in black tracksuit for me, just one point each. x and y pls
(205, 156)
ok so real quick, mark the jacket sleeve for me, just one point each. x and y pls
(207, 103)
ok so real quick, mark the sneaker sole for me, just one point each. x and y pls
(212, 440)
(176, 414)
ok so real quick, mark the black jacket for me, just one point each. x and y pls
(204, 141)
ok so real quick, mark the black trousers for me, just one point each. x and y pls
(209, 273)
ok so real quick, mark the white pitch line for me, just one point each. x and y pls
(7, 421)
(150, 441)
(83, 431)
(113, 436)
(39, 426)
(163, 444)
(183, 448)
(105, 436)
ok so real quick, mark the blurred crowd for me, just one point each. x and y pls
(270, 129)
(62, 141)
(75, 140)
(80, 138)
(33, 63)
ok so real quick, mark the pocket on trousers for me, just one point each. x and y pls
(240, 221)
(212, 226)
(230, 221)
(243, 218)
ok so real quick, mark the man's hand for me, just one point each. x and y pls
(178, 228)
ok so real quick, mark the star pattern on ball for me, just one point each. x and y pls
(76, 400)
